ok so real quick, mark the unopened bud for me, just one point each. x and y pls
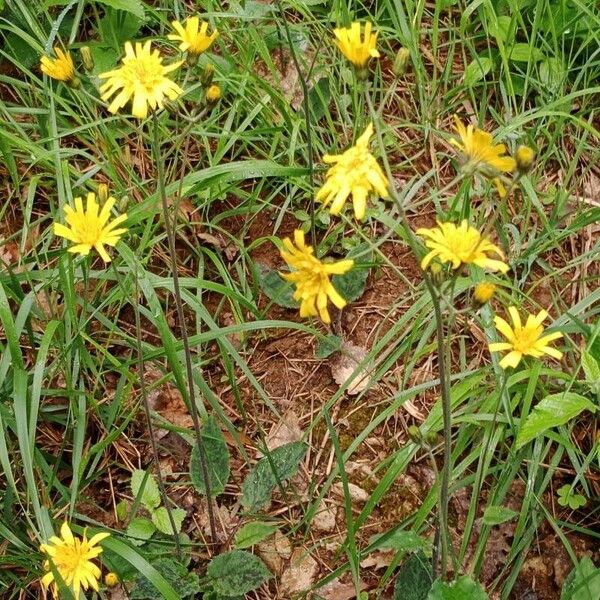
(213, 94)
(207, 74)
(86, 58)
(401, 62)
(524, 157)
(111, 579)
(483, 292)
(74, 82)
(414, 433)
(437, 273)
(103, 193)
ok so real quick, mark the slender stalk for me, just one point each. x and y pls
(169, 229)
(309, 146)
(443, 367)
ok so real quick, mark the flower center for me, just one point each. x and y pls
(525, 338)
(146, 72)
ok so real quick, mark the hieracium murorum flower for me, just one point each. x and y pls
(462, 245)
(311, 277)
(524, 340)
(141, 78)
(358, 50)
(193, 37)
(91, 228)
(356, 172)
(72, 557)
(60, 68)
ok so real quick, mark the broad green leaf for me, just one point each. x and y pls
(160, 518)
(236, 572)
(133, 6)
(552, 411)
(150, 497)
(140, 530)
(217, 457)
(261, 481)
(464, 588)
(591, 368)
(253, 533)
(328, 345)
(495, 515)
(404, 541)
(583, 582)
(414, 579)
(184, 583)
(319, 97)
(276, 288)
(351, 285)
(477, 69)
(502, 30)
(522, 52)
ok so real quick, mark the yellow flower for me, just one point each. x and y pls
(356, 49)
(480, 152)
(60, 68)
(524, 156)
(91, 228)
(213, 93)
(193, 41)
(111, 579)
(460, 245)
(311, 277)
(355, 172)
(484, 291)
(524, 340)
(141, 76)
(72, 557)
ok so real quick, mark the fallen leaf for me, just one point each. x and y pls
(275, 550)
(325, 519)
(335, 590)
(356, 493)
(301, 572)
(286, 431)
(344, 364)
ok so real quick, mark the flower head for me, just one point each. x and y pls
(193, 36)
(356, 49)
(111, 579)
(60, 68)
(213, 93)
(311, 277)
(484, 291)
(141, 76)
(73, 558)
(524, 340)
(480, 152)
(460, 246)
(355, 172)
(91, 228)
(524, 157)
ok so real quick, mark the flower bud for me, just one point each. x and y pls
(207, 74)
(483, 292)
(102, 193)
(86, 58)
(414, 433)
(74, 82)
(524, 157)
(111, 579)
(401, 62)
(437, 273)
(213, 94)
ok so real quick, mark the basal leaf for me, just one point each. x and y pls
(160, 518)
(552, 411)
(253, 533)
(217, 456)
(495, 515)
(464, 588)
(236, 573)
(140, 530)
(414, 579)
(150, 494)
(276, 288)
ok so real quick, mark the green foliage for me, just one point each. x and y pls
(328, 345)
(583, 582)
(414, 578)
(253, 533)
(276, 288)
(496, 515)
(140, 529)
(160, 518)
(591, 369)
(145, 484)
(217, 457)
(404, 541)
(567, 497)
(552, 411)
(236, 572)
(186, 584)
(281, 464)
(464, 588)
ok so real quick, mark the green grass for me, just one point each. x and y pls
(71, 411)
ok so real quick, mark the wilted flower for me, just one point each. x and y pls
(142, 77)
(524, 340)
(460, 245)
(311, 277)
(60, 68)
(356, 49)
(73, 558)
(356, 172)
(91, 228)
(193, 37)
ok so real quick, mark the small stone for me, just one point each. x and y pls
(356, 493)
(301, 573)
(274, 551)
(325, 519)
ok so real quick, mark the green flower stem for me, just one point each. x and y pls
(181, 318)
(443, 365)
